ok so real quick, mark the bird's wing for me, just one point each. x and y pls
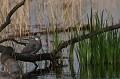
(37, 47)
(29, 48)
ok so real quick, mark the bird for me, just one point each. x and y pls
(33, 46)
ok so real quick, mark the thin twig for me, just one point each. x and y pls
(12, 39)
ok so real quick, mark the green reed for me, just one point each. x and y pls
(56, 42)
(71, 58)
(100, 49)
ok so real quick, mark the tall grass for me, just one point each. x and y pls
(71, 60)
(59, 61)
(100, 49)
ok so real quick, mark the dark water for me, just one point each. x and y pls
(100, 72)
(83, 72)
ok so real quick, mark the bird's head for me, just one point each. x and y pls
(37, 36)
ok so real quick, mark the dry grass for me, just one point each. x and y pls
(20, 19)
(36, 15)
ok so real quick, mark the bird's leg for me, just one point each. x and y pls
(35, 65)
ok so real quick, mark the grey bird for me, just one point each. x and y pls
(33, 46)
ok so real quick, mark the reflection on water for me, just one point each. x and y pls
(85, 72)
(100, 72)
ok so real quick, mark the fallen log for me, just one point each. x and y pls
(10, 63)
(25, 57)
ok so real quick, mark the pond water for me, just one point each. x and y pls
(82, 72)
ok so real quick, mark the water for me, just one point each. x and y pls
(83, 72)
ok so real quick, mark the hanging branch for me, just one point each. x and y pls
(8, 18)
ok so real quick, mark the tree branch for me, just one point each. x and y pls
(12, 39)
(32, 57)
(8, 20)
(83, 37)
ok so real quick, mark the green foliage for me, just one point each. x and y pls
(100, 49)
(71, 55)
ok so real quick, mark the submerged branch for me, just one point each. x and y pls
(8, 18)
